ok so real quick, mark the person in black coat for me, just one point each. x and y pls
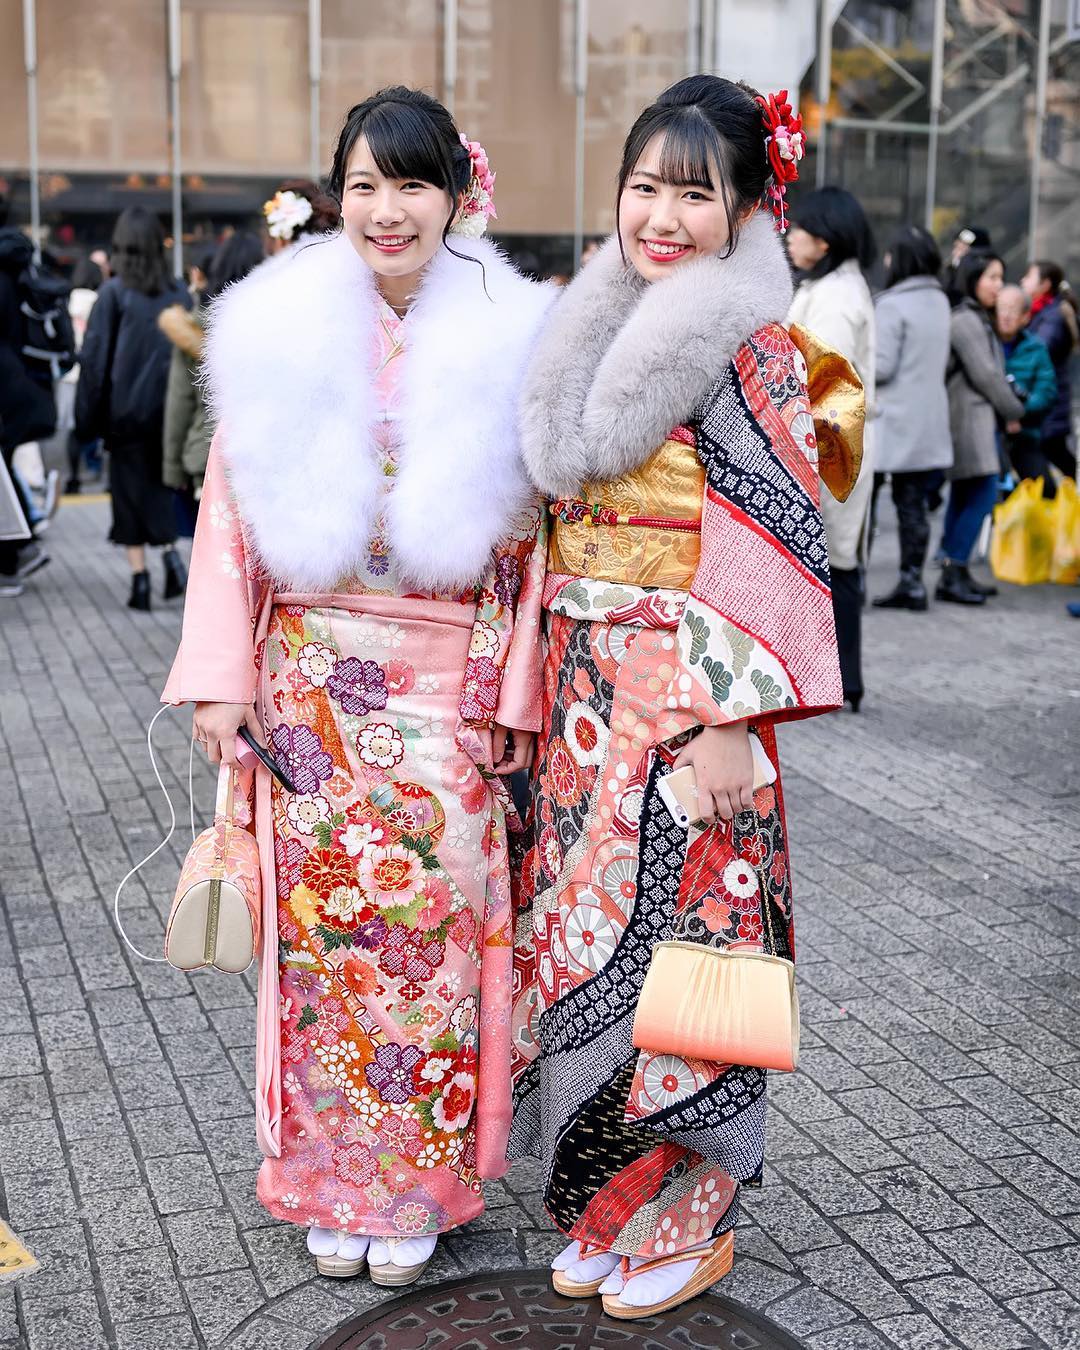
(1053, 322)
(124, 367)
(27, 407)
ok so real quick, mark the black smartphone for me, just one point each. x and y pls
(267, 759)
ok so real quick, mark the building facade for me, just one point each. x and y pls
(947, 112)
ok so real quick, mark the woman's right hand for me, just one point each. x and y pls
(215, 725)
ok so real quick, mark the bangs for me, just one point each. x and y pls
(405, 144)
(691, 154)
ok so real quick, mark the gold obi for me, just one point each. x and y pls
(643, 529)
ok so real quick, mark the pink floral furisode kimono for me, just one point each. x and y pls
(383, 1058)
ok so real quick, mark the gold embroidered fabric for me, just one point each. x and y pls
(838, 407)
(669, 485)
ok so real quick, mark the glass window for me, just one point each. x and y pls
(365, 47)
(635, 51)
(515, 94)
(245, 101)
(103, 90)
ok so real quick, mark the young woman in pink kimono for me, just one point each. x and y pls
(364, 596)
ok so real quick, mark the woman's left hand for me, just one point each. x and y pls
(723, 766)
(511, 750)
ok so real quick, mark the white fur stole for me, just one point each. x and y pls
(290, 373)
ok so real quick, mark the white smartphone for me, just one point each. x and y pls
(678, 790)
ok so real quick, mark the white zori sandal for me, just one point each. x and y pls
(338, 1255)
(713, 1263)
(580, 1270)
(397, 1261)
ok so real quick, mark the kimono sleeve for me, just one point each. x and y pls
(503, 674)
(216, 661)
(757, 638)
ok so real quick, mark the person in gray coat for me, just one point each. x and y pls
(913, 442)
(979, 396)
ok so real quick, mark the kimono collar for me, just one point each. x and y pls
(622, 362)
(290, 372)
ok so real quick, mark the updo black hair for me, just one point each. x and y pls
(710, 125)
(411, 135)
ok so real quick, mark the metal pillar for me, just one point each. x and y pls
(314, 86)
(824, 86)
(1041, 73)
(709, 37)
(30, 62)
(175, 66)
(693, 36)
(937, 83)
(449, 53)
(581, 82)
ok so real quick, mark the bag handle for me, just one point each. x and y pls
(161, 960)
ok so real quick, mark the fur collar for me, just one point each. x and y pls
(621, 362)
(291, 380)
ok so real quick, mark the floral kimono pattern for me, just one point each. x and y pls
(384, 1064)
(693, 591)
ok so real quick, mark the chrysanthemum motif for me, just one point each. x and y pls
(316, 661)
(740, 879)
(590, 937)
(380, 745)
(667, 1079)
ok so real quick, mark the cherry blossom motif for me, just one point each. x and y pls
(229, 567)
(391, 876)
(464, 1015)
(715, 914)
(299, 751)
(484, 640)
(316, 661)
(590, 937)
(344, 1214)
(380, 745)
(359, 686)
(438, 897)
(507, 578)
(391, 1074)
(221, 515)
(307, 811)
(750, 928)
(452, 1110)
(667, 1079)
(406, 956)
(400, 676)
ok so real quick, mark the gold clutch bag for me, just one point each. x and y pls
(730, 1007)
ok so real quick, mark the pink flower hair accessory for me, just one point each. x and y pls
(785, 145)
(478, 205)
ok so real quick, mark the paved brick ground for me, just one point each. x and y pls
(924, 1181)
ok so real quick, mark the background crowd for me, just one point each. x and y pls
(967, 377)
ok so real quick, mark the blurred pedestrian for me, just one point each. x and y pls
(979, 394)
(86, 281)
(1054, 321)
(970, 237)
(1030, 371)
(27, 407)
(912, 443)
(100, 258)
(831, 245)
(299, 207)
(188, 428)
(121, 397)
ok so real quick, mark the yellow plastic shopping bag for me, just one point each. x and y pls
(1023, 542)
(1065, 562)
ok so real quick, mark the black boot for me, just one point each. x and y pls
(955, 586)
(908, 593)
(175, 574)
(140, 591)
(979, 588)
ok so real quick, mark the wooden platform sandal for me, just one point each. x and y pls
(713, 1265)
(571, 1289)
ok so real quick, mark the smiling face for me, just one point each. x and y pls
(663, 224)
(395, 224)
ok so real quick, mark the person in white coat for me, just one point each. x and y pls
(831, 245)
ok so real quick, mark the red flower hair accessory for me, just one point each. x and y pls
(785, 145)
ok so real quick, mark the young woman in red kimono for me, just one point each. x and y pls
(364, 596)
(666, 417)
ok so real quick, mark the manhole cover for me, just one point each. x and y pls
(519, 1308)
